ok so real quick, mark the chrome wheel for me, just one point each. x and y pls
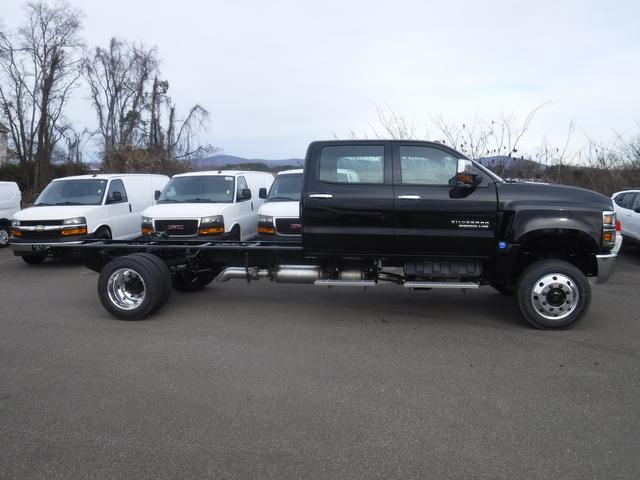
(555, 296)
(4, 237)
(126, 289)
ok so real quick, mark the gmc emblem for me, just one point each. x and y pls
(296, 226)
(175, 227)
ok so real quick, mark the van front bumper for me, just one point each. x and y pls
(29, 247)
(607, 261)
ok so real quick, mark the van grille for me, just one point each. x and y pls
(288, 226)
(177, 227)
(44, 223)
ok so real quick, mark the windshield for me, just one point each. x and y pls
(201, 189)
(73, 192)
(286, 188)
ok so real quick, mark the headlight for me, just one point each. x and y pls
(147, 222)
(213, 225)
(15, 223)
(266, 219)
(75, 221)
(214, 220)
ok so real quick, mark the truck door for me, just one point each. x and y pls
(123, 223)
(429, 219)
(347, 202)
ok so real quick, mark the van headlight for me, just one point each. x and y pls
(265, 225)
(146, 225)
(75, 221)
(213, 225)
(265, 219)
(15, 223)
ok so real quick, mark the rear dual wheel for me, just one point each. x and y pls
(134, 286)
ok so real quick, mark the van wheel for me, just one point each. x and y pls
(130, 287)
(33, 259)
(103, 233)
(553, 294)
(4, 236)
(235, 234)
(193, 282)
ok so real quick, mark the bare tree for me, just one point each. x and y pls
(118, 79)
(39, 66)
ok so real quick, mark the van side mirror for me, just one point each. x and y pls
(245, 194)
(637, 209)
(116, 197)
(156, 195)
(262, 193)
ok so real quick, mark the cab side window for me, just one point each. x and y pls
(241, 184)
(426, 166)
(636, 203)
(116, 193)
(352, 164)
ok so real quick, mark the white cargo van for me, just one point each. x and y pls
(72, 209)
(10, 199)
(279, 216)
(217, 204)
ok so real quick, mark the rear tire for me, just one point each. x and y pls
(553, 294)
(165, 274)
(130, 287)
(193, 282)
(33, 259)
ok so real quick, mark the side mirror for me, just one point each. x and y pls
(262, 193)
(465, 178)
(245, 194)
(156, 195)
(116, 197)
(637, 209)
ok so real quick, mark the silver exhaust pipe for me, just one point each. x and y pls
(283, 274)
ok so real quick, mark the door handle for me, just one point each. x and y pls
(130, 208)
(409, 197)
(321, 195)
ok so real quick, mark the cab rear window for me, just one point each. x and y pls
(352, 164)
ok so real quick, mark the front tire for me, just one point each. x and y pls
(130, 287)
(553, 294)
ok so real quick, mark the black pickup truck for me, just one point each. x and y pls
(414, 214)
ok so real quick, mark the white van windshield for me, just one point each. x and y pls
(198, 189)
(286, 188)
(73, 192)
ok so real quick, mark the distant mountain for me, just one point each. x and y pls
(219, 161)
(511, 164)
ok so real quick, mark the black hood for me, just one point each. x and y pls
(512, 195)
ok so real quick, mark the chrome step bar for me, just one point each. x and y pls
(345, 283)
(470, 285)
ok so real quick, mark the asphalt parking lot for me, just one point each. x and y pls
(273, 381)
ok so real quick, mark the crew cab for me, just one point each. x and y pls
(10, 203)
(413, 214)
(279, 216)
(216, 204)
(72, 209)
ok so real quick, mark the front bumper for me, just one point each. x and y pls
(607, 261)
(30, 247)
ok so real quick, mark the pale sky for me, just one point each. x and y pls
(276, 75)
